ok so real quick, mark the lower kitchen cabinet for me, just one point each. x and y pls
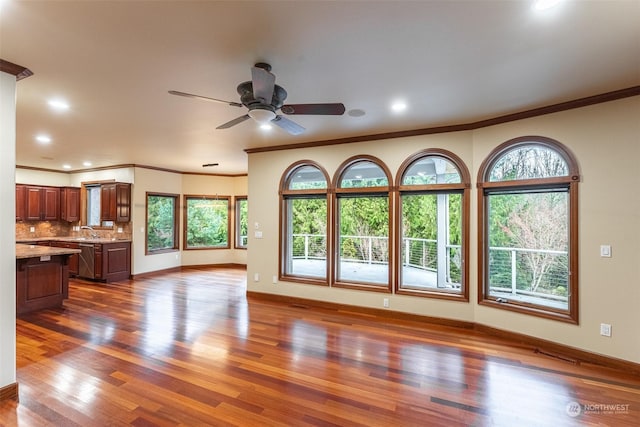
(112, 261)
(74, 259)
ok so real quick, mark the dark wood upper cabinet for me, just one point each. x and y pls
(70, 204)
(42, 203)
(21, 202)
(115, 202)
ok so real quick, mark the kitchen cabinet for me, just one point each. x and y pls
(112, 261)
(42, 277)
(70, 204)
(74, 259)
(21, 202)
(115, 202)
(42, 203)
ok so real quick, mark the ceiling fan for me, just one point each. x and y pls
(263, 98)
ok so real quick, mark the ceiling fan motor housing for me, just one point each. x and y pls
(245, 90)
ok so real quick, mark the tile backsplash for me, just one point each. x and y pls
(65, 229)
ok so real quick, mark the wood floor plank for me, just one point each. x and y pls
(188, 349)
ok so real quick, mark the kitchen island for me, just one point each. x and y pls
(42, 276)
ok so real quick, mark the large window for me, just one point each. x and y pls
(304, 223)
(162, 223)
(242, 222)
(206, 222)
(528, 197)
(363, 224)
(434, 199)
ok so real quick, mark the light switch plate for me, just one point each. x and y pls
(605, 251)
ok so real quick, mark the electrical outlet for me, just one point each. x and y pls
(385, 303)
(32, 229)
(605, 329)
(274, 279)
(256, 277)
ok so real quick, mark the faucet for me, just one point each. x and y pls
(93, 232)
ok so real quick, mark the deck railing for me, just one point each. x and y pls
(516, 271)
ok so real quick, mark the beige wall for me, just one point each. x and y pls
(37, 177)
(606, 141)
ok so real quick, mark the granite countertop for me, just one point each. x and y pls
(71, 239)
(35, 251)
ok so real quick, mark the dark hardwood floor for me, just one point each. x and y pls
(188, 349)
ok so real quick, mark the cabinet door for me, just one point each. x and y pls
(116, 263)
(51, 203)
(123, 202)
(70, 204)
(33, 203)
(21, 202)
(108, 202)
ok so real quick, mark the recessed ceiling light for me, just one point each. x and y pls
(86, 163)
(545, 4)
(66, 166)
(45, 139)
(398, 106)
(58, 104)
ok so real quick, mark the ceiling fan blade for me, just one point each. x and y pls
(233, 122)
(290, 126)
(324, 109)
(263, 82)
(190, 95)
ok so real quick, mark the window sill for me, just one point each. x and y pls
(537, 311)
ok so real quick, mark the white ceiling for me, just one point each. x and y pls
(452, 62)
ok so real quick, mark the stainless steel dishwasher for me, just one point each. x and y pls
(87, 261)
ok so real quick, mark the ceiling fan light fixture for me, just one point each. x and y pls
(261, 115)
